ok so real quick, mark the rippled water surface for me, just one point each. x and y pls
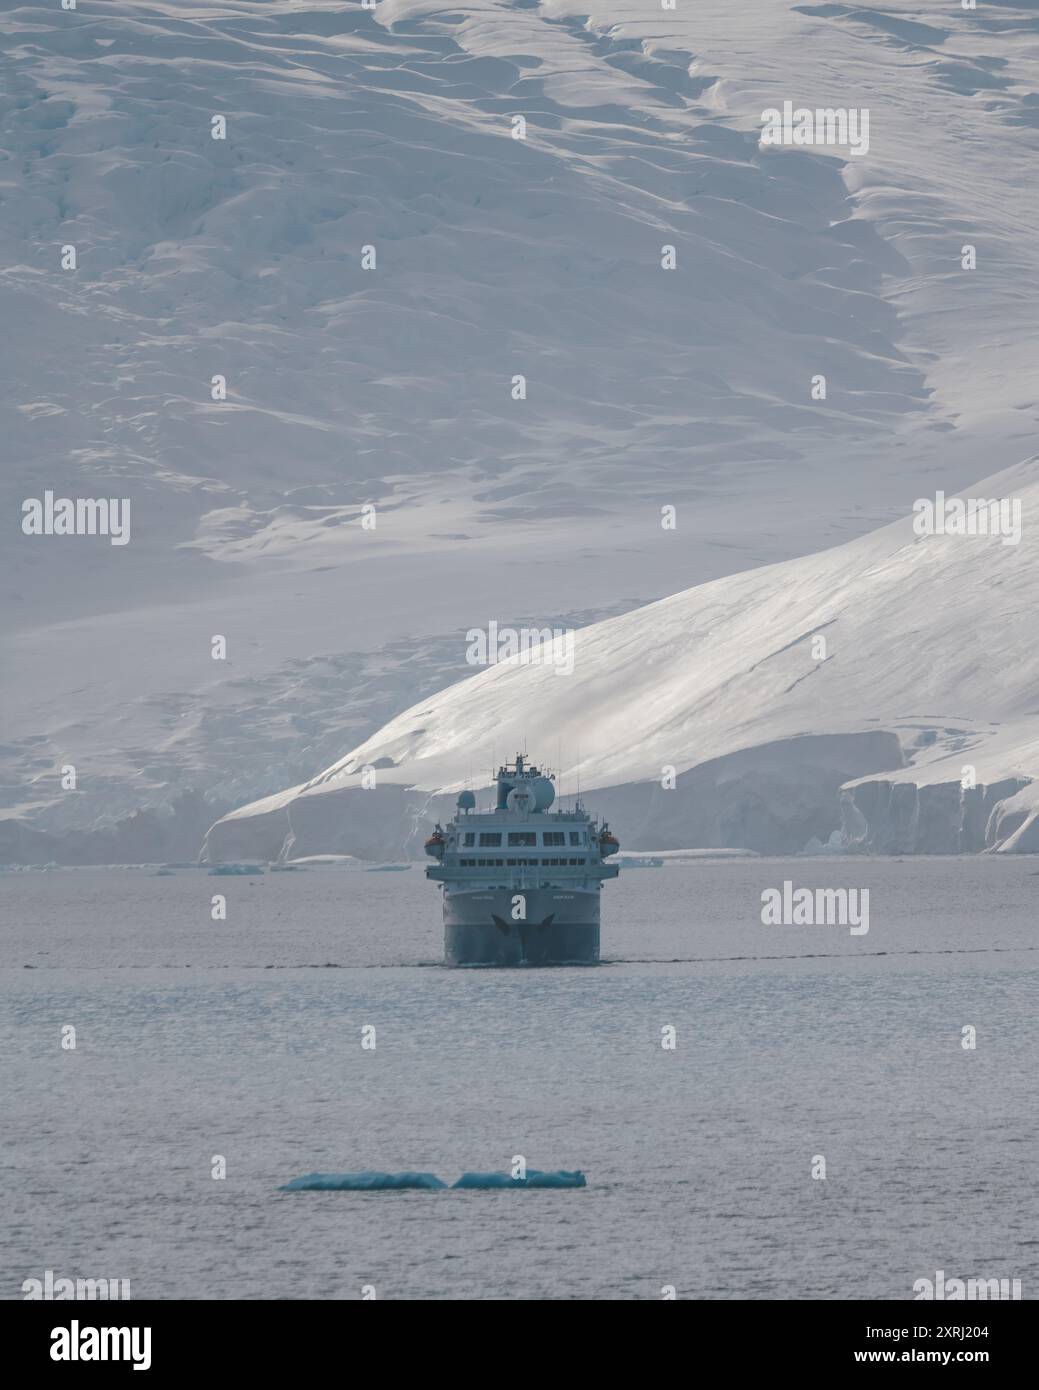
(242, 1038)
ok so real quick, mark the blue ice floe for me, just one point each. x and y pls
(361, 1182)
(562, 1178)
(429, 1182)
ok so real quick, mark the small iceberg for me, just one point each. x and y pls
(836, 844)
(362, 1182)
(331, 861)
(533, 1179)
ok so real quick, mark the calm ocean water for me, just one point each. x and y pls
(243, 1038)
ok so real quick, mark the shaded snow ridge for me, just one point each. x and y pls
(885, 689)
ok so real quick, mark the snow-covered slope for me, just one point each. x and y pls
(646, 387)
(763, 692)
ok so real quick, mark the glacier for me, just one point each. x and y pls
(392, 127)
(926, 688)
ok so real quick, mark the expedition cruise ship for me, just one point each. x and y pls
(521, 883)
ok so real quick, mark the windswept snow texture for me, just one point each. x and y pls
(911, 655)
(393, 129)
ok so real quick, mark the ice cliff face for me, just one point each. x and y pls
(928, 809)
(758, 697)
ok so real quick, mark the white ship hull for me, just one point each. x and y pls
(532, 926)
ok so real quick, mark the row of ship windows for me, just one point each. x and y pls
(491, 839)
(513, 863)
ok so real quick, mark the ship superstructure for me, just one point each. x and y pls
(521, 882)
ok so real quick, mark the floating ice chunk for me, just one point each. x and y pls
(562, 1178)
(237, 869)
(836, 844)
(361, 1182)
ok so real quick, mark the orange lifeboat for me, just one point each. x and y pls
(435, 845)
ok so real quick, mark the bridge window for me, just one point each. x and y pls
(554, 837)
(491, 838)
(575, 837)
(522, 837)
(470, 839)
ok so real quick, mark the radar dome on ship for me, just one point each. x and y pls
(466, 801)
(542, 790)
